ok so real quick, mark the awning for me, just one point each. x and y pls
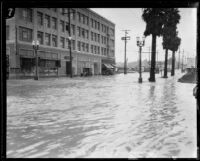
(108, 66)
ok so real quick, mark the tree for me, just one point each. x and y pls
(154, 18)
(174, 47)
(169, 32)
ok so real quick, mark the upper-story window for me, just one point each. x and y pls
(62, 26)
(26, 14)
(54, 23)
(54, 40)
(62, 42)
(47, 21)
(40, 18)
(25, 34)
(47, 39)
(40, 37)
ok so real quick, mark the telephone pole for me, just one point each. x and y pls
(182, 61)
(125, 41)
(179, 59)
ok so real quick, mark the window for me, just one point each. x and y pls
(40, 37)
(79, 46)
(83, 46)
(62, 25)
(91, 48)
(92, 36)
(87, 34)
(47, 21)
(83, 33)
(79, 16)
(95, 37)
(101, 51)
(95, 50)
(73, 44)
(95, 24)
(98, 26)
(98, 50)
(102, 27)
(54, 40)
(26, 14)
(67, 43)
(7, 32)
(47, 39)
(25, 34)
(98, 38)
(73, 29)
(40, 18)
(54, 23)
(79, 31)
(102, 39)
(73, 14)
(87, 20)
(92, 23)
(62, 42)
(87, 47)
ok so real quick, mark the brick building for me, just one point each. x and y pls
(93, 42)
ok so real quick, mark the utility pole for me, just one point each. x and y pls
(182, 61)
(179, 58)
(125, 41)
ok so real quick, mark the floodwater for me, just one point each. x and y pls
(101, 116)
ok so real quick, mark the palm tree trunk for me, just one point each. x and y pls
(153, 59)
(173, 63)
(166, 59)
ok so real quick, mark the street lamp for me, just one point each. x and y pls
(36, 47)
(140, 44)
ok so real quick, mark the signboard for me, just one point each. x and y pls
(126, 38)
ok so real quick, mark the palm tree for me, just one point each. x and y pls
(174, 47)
(172, 18)
(168, 33)
(154, 18)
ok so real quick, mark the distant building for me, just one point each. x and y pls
(93, 41)
(190, 62)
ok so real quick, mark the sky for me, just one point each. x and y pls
(131, 19)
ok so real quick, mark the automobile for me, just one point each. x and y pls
(195, 91)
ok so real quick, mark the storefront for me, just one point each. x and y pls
(108, 67)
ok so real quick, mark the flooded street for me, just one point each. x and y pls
(101, 116)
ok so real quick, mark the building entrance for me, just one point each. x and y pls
(68, 67)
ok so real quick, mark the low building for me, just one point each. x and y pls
(92, 44)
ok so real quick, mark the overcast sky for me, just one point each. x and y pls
(130, 19)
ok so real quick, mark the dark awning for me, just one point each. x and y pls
(108, 66)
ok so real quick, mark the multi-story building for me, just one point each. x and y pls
(92, 44)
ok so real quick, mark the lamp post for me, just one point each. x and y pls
(36, 47)
(140, 44)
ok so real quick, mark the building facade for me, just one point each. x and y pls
(92, 44)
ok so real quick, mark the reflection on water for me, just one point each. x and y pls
(102, 116)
